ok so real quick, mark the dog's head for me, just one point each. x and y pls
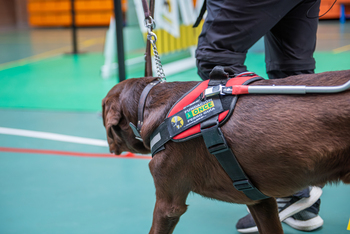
(119, 108)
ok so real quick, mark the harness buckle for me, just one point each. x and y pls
(217, 149)
(242, 185)
(213, 91)
(136, 132)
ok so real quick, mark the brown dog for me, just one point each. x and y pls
(284, 143)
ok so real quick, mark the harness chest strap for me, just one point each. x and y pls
(216, 145)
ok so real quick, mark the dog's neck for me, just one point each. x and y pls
(158, 103)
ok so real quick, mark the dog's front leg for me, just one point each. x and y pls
(265, 214)
(166, 215)
(172, 188)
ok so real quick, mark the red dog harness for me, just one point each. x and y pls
(205, 100)
(202, 111)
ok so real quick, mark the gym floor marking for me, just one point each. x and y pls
(52, 136)
(75, 154)
(64, 138)
(341, 49)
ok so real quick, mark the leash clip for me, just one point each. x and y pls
(150, 23)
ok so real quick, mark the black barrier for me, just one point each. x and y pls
(120, 40)
(74, 29)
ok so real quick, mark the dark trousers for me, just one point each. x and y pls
(233, 26)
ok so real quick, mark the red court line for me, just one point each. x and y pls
(67, 153)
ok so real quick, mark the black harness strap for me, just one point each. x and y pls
(142, 102)
(216, 144)
(141, 108)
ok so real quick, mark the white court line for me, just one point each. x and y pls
(52, 136)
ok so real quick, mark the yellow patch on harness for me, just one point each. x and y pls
(200, 109)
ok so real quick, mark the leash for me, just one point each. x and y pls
(151, 40)
(149, 12)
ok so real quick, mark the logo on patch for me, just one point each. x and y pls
(200, 109)
(177, 122)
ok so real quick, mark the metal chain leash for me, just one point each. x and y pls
(152, 37)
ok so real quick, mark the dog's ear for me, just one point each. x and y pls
(103, 111)
(111, 114)
(119, 109)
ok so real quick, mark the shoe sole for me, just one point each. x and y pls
(307, 225)
(315, 194)
(249, 230)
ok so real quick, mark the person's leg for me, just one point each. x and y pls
(290, 44)
(300, 211)
(232, 27)
(289, 48)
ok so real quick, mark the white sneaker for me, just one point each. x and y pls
(288, 207)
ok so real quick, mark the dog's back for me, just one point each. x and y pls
(286, 142)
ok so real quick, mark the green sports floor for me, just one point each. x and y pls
(56, 175)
